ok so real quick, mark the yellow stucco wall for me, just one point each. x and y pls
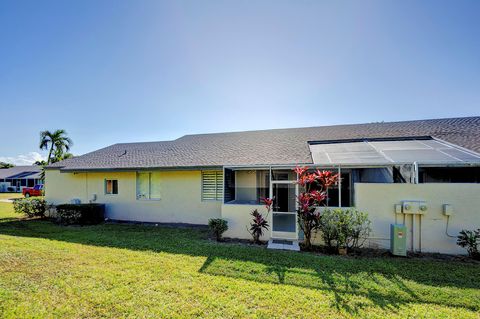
(379, 200)
(180, 196)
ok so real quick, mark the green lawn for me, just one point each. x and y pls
(10, 195)
(139, 271)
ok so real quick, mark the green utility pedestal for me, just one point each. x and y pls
(398, 239)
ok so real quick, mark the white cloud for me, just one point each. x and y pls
(23, 159)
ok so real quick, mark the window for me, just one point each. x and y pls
(283, 175)
(333, 194)
(111, 186)
(148, 185)
(263, 185)
(229, 188)
(212, 185)
(449, 175)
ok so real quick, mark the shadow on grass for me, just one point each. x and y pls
(384, 282)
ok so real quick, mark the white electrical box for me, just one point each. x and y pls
(447, 209)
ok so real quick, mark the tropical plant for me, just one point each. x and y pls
(344, 228)
(259, 222)
(257, 226)
(57, 142)
(218, 226)
(470, 239)
(5, 165)
(315, 186)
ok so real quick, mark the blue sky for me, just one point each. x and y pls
(124, 71)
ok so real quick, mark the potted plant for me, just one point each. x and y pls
(342, 251)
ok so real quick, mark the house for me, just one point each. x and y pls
(424, 174)
(14, 179)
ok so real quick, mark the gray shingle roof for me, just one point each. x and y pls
(33, 170)
(266, 147)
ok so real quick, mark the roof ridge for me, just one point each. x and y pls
(334, 125)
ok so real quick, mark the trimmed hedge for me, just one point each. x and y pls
(80, 214)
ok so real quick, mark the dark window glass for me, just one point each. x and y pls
(449, 175)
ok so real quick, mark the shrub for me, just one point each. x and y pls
(328, 229)
(344, 228)
(81, 214)
(258, 224)
(218, 226)
(470, 240)
(31, 207)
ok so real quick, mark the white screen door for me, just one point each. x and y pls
(284, 210)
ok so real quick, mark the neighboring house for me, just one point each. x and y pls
(16, 178)
(383, 166)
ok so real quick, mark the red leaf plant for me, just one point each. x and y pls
(315, 186)
(259, 222)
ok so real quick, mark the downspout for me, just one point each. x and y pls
(413, 232)
(420, 232)
(414, 180)
(339, 187)
(414, 216)
(270, 195)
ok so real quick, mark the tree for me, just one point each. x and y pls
(6, 165)
(58, 144)
(60, 156)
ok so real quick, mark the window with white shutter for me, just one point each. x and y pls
(212, 185)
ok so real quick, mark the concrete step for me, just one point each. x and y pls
(284, 244)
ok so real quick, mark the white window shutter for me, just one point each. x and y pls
(212, 185)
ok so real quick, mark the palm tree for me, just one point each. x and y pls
(61, 155)
(57, 142)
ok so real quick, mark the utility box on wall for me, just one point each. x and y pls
(398, 239)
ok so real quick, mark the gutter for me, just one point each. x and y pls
(129, 169)
(261, 166)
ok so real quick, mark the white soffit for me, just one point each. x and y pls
(384, 152)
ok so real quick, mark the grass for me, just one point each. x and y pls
(10, 195)
(141, 271)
